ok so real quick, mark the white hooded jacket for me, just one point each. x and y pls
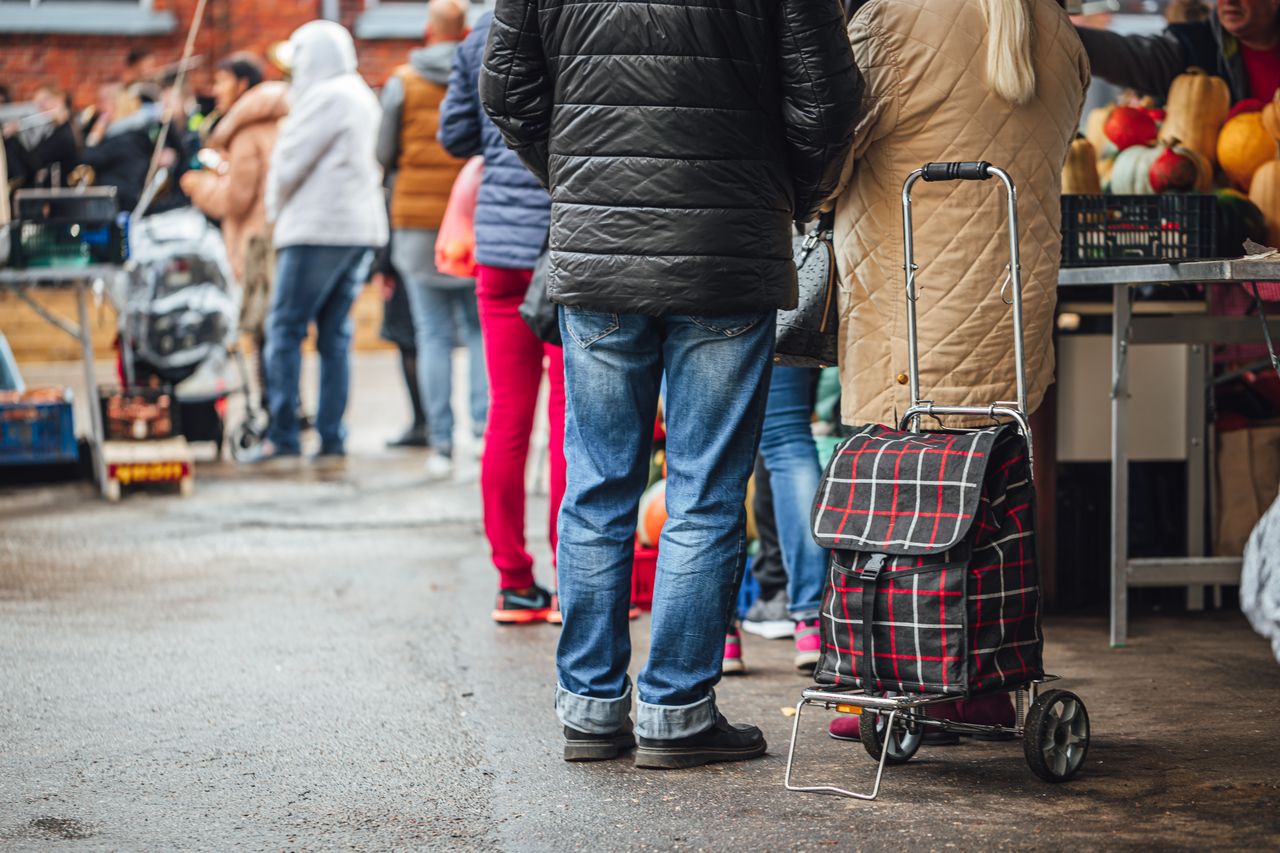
(325, 184)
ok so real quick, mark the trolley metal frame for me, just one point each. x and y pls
(1057, 738)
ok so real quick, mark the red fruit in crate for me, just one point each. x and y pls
(1157, 115)
(1248, 105)
(1173, 171)
(1129, 126)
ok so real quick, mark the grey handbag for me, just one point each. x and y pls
(807, 334)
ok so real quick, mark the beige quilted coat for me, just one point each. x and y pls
(927, 100)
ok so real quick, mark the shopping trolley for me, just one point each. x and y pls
(1052, 724)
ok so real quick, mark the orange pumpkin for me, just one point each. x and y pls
(1197, 106)
(1243, 146)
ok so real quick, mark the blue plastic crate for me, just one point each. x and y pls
(37, 434)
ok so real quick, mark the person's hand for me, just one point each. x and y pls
(384, 284)
(10, 128)
(189, 181)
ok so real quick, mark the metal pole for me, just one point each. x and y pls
(1121, 310)
(1015, 276)
(909, 268)
(91, 388)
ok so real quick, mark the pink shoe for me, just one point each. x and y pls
(846, 727)
(808, 645)
(733, 664)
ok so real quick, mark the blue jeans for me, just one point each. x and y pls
(791, 457)
(441, 317)
(313, 284)
(717, 375)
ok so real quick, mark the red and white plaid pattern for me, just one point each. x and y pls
(957, 603)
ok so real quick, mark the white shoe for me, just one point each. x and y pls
(439, 467)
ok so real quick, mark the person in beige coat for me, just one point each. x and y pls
(996, 80)
(233, 192)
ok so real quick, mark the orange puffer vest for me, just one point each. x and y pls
(426, 171)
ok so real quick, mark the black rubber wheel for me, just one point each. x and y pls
(1055, 737)
(903, 742)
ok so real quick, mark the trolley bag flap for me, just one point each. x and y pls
(902, 493)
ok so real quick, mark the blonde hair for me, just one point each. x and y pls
(1009, 70)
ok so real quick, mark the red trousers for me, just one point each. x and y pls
(515, 359)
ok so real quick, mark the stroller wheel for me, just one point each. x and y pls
(903, 742)
(245, 438)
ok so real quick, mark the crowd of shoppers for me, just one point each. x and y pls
(657, 162)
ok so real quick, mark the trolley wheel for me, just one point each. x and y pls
(1055, 737)
(187, 486)
(111, 491)
(903, 742)
(246, 437)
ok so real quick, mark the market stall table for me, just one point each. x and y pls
(81, 279)
(1200, 331)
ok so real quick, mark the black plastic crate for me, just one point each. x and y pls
(91, 206)
(1102, 230)
(42, 244)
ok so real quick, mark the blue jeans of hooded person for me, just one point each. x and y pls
(443, 316)
(717, 376)
(786, 444)
(313, 284)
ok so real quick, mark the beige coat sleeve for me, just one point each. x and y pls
(231, 194)
(875, 50)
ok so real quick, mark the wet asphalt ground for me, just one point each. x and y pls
(303, 660)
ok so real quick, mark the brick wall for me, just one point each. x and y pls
(79, 64)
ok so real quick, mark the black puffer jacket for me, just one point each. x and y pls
(679, 139)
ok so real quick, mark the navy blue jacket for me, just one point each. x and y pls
(513, 211)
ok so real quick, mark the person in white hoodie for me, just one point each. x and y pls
(324, 197)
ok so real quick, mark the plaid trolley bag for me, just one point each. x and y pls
(933, 588)
(933, 585)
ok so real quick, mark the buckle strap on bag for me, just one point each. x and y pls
(869, 575)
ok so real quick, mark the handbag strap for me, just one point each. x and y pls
(869, 575)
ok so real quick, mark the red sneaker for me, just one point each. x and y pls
(522, 606)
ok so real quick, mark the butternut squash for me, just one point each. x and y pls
(1196, 109)
(1264, 192)
(1080, 172)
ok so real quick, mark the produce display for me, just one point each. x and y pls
(1199, 143)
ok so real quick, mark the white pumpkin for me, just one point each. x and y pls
(1130, 173)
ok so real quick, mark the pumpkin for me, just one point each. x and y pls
(1197, 106)
(1080, 172)
(1204, 171)
(1131, 173)
(1271, 116)
(1265, 193)
(1130, 126)
(1243, 146)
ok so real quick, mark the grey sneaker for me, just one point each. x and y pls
(769, 618)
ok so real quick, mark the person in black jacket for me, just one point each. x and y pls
(679, 142)
(48, 158)
(1240, 42)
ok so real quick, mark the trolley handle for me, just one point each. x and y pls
(966, 171)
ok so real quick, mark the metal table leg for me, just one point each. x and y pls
(96, 436)
(1197, 385)
(1122, 306)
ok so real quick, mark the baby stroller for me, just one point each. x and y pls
(933, 590)
(179, 322)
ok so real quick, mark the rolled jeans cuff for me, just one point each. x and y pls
(669, 722)
(590, 715)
